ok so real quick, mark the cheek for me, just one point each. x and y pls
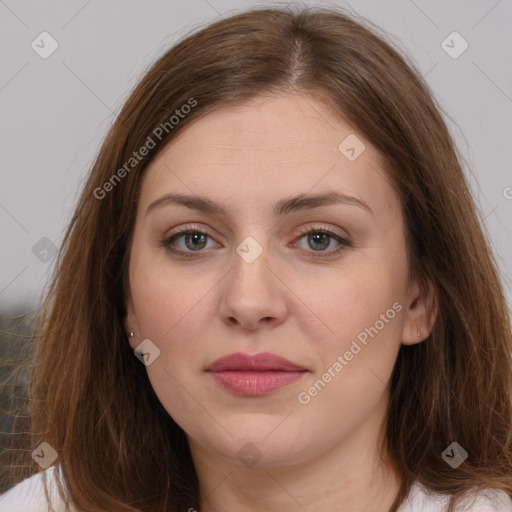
(174, 310)
(169, 308)
(362, 310)
(163, 295)
(355, 360)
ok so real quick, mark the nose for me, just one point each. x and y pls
(253, 294)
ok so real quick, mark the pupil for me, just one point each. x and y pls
(195, 237)
(316, 238)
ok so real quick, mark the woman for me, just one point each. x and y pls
(278, 227)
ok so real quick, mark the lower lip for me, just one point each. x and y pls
(256, 383)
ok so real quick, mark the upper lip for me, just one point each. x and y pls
(258, 362)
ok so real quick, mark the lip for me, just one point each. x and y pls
(255, 375)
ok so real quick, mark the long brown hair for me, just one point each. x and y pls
(91, 399)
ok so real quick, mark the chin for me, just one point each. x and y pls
(257, 440)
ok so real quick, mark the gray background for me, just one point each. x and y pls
(54, 112)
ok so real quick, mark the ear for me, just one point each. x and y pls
(420, 312)
(130, 324)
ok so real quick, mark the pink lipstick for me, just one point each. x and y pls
(255, 375)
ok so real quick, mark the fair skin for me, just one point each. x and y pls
(315, 455)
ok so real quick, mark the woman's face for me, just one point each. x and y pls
(335, 302)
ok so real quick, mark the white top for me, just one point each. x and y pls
(28, 496)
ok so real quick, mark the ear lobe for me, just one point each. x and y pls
(129, 323)
(421, 312)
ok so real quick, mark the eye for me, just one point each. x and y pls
(320, 239)
(195, 239)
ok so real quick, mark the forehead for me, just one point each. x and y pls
(265, 148)
(271, 125)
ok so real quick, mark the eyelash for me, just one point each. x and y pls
(343, 243)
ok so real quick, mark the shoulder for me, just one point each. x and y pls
(29, 495)
(420, 499)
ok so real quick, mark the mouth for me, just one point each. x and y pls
(255, 375)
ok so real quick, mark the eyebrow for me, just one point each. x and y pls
(281, 208)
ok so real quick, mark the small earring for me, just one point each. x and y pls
(131, 334)
(419, 334)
